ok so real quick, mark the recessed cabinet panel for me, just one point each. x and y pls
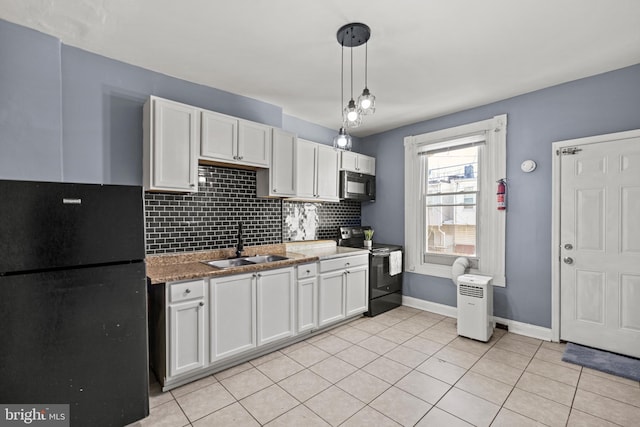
(187, 337)
(306, 169)
(232, 306)
(275, 305)
(227, 139)
(219, 136)
(171, 137)
(355, 162)
(254, 144)
(327, 175)
(331, 307)
(280, 179)
(357, 299)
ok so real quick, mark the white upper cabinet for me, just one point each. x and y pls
(327, 175)
(230, 140)
(306, 169)
(170, 146)
(280, 179)
(219, 137)
(317, 172)
(355, 162)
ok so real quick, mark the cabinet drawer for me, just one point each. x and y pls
(343, 262)
(307, 270)
(183, 291)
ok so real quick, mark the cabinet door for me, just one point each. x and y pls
(283, 158)
(254, 144)
(305, 169)
(327, 173)
(331, 307)
(232, 306)
(186, 337)
(366, 164)
(173, 146)
(349, 161)
(357, 290)
(276, 307)
(307, 307)
(219, 139)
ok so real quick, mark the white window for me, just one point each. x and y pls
(450, 186)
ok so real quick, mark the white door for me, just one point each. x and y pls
(305, 169)
(600, 244)
(331, 304)
(357, 290)
(327, 174)
(254, 143)
(232, 315)
(276, 309)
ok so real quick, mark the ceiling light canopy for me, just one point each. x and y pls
(353, 35)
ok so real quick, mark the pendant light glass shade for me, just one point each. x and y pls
(352, 116)
(342, 140)
(367, 102)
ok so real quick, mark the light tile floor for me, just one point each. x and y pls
(404, 367)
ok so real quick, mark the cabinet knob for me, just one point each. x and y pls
(192, 185)
(201, 304)
(275, 191)
(347, 264)
(187, 291)
(308, 271)
(348, 272)
(240, 157)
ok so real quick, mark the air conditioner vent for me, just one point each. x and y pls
(471, 291)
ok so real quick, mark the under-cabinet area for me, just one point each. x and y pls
(220, 317)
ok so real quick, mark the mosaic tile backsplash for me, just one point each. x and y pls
(208, 219)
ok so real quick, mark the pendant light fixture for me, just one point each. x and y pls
(353, 35)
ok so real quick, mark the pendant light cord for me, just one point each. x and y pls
(366, 62)
(351, 71)
(342, 77)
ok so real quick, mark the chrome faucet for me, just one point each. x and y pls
(239, 246)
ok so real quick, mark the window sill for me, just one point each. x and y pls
(444, 271)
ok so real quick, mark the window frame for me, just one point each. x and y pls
(490, 223)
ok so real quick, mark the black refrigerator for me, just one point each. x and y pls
(73, 308)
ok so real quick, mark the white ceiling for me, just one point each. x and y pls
(427, 58)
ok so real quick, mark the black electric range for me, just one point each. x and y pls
(385, 286)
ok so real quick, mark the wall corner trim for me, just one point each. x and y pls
(514, 326)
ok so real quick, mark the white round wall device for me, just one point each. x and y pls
(528, 166)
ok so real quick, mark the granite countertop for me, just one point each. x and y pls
(189, 265)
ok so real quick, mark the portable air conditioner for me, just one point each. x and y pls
(475, 307)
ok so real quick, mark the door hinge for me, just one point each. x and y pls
(568, 150)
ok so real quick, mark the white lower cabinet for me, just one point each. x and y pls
(357, 290)
(232, 316)
(216, 321)
(187, 327)
(249, 310)
(276, 310)
(331, 306)
(307, 297)
(343, 288)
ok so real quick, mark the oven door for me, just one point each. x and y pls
(380, 281)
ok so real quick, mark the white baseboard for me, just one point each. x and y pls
(433, 307)
(514, 326)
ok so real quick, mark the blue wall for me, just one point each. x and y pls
(70, 115)
(601, 104)
(30, 112)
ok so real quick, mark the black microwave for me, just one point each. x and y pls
(357, 186)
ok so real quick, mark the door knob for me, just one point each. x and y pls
(568, 260)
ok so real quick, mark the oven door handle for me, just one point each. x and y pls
(381, 254)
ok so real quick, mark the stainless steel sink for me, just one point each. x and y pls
(261, 259)
(238, 262)
(228, 263)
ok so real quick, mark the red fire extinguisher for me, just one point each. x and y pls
(500, 195)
